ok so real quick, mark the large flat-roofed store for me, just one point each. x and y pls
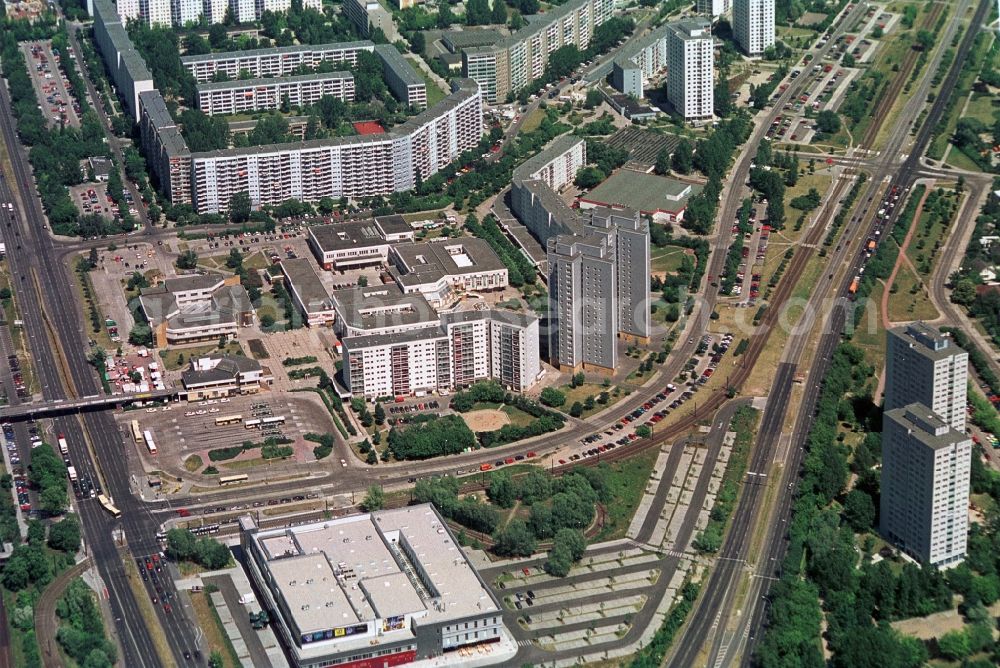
(393, 586)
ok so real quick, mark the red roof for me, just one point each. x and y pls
(369, 128)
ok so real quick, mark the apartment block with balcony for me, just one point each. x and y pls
(925, 485)
(753, 25)
(355, 167)
(691, 68)
(273, 62)
(511, 64)
(645, 58)
(234, 97)
(924, 366)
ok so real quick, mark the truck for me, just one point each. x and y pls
(71, 472)
(63, 446)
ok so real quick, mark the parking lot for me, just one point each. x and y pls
(51, 85)
(696, 373)
(181, 431)
(93, 198)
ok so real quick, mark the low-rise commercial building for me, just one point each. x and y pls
(662, 198)
(221, 375)
(348, 245)
(234, 97)
(442, 271)
(308, 293)
(380, 589)
(200, 307)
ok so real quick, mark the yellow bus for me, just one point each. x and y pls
(228, 419)
(227, 480)
(106, 504)
(136, 432)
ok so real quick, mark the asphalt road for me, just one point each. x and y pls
(775, 547)
(48, 302)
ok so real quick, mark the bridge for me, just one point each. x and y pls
(62, 406)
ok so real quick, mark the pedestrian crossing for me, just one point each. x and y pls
(524, 643)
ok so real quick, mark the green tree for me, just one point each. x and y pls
(552, 397)
(187, 260)
(589, 177)
(239, 207)
(643, 431)
(515, 540)
(964, 292)
(828, 122)
(662, 165)
(502, 490)
(576, 410)
(593, 99)
(65, 535)
(954, 645)
(374, 499)
(682, 159)
(379, 414)
(859, 510)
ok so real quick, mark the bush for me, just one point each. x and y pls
(182, 545)
(552, 397)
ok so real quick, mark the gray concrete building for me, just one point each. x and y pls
(922, 365)
(925, 485)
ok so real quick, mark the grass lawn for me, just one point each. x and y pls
(517, 417)
(193, 463)
(171, 357)
(532, 122)
(626, 484)
(983, 107)
(667, 259)
(904, 304)
(434, 92)
(580, 394)
(958, 159)
(256, 261)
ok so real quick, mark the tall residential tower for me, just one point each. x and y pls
(922, 365)
(753, 25)
(925, 485)
(690, 69)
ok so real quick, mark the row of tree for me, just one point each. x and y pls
(520, 269)
(182, 545)
(81, 631)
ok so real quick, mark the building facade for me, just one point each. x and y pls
(405, 83)
(454, 352)
(713, 8)
(505, 68)
(274, 62)
(925, 485)
(924, 366)
(535, 184)
(753, 25)
(200, 307)
(598, 290)
(690, 72)
(127, 68)
(646, 58)
(382, 589)
(234, 97)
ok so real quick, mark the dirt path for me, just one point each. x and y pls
(46, 623)
(886, 324)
